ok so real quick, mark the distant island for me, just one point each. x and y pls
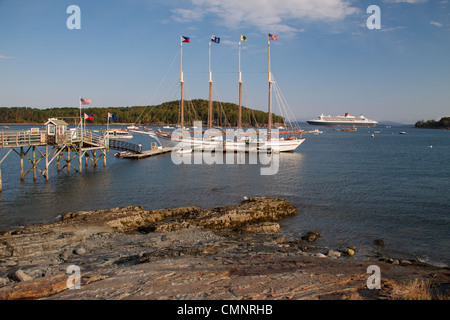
(224, 114)
(444, 123)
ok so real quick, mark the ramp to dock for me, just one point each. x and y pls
(124, 146)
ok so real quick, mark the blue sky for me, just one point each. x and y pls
(325, 61)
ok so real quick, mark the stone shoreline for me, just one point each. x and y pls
(234, 252)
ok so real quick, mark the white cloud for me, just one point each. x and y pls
(277, 16)
(187, 15)
(4, 57)
(410, 1)
(437, 24)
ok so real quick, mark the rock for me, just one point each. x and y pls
(7, 263)
(3, 281)
(349, 252)
(22, 276)
(280, 240)
(269, 227)
(80, 251)
(378, 242)
(319, 255)
(311, 236)
(333, 254)
(43, 287)
(251, 211)
(405, 262)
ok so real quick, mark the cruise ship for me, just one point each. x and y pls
(342, 121)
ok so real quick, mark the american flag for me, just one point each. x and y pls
(85, 101)
(273, 37)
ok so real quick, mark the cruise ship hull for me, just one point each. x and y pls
(342, 123)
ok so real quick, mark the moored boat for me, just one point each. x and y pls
(119, 134)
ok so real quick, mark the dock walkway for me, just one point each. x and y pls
(143, 154)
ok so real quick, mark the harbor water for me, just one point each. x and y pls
(351, 187)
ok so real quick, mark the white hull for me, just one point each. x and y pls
(119, 134)
(342, 121)
(179, 142)
(235, 146)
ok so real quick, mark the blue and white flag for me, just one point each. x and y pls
(215, 39)
(112, 117)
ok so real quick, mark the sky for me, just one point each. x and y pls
(326, 59)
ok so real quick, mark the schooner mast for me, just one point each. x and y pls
(181, 81)
(240, 92)
(210, 90)
(269, 124)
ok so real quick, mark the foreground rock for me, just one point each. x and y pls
(235, 252)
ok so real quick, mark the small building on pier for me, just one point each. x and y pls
(56, 131)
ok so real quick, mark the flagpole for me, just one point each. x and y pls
(181, 85)
(269, 125)
(107, 128)
(210, 91)
(240, 92)
(81, 120)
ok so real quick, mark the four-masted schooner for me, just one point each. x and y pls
(267, 142)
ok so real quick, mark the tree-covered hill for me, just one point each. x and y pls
(165, 113)
(444, 123)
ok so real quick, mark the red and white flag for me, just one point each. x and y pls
(85, 101)
(273, 37)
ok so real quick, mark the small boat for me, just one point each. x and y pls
(403, 132)
(317, 131)
(183, 151)
(348, 129)
(5, 127)
(133, 127)
(119, 134)
(168, 127)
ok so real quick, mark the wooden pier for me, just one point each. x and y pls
(57, 144)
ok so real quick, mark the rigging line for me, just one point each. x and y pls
(289, 110)
(221, 108)
(281, 103)
(190, 106)
(169, 89)
(160, 82)
(251, 108)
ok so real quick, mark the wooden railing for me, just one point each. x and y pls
(74, 136)
(11, 139)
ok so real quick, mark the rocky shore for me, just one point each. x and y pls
(234, 252)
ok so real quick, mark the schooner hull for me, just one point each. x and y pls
(188, 142)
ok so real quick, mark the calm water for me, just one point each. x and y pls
(350, 187)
